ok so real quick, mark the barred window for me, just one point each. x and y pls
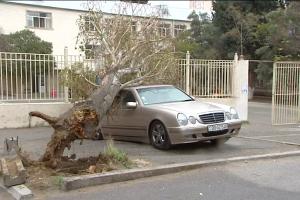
(133, 27)
(91, 51)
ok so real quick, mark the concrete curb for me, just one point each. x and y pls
(72, 183)
(19, 192)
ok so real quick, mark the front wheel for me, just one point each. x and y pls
(159, 137)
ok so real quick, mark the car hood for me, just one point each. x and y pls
(190, 107)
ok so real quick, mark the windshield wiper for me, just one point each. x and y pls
(188, 100)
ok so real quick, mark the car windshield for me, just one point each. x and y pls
(163, 94)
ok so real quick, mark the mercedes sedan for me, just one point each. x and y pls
(164, 115)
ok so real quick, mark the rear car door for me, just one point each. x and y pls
(124, 121)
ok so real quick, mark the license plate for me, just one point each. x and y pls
(217, 127)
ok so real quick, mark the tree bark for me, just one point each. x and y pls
(80, 122)
(102, 98)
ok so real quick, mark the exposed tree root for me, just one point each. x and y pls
(80, 122)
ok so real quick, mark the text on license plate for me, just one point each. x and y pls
(217, 127)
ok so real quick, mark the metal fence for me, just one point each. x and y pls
(286, 93)
(207, 78)
(35, 77)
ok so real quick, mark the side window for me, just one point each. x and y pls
(127, 97)
(122, 98)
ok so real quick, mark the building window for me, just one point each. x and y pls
(109, 22)
(164, 30)
(91, 51)
(178, 29)
(39, 19)
(133, 27)
(89, 26)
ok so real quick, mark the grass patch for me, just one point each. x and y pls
(245, 122)
(115, 155)
(57, 180)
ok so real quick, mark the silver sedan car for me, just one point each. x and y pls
(164, 115)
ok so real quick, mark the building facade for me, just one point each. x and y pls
(58, 25)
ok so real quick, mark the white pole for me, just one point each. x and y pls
(299, 97)
(187, 74)
(66, 89)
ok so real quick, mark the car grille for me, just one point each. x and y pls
(211, 118)
(215, 133)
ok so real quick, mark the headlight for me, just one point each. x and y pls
(182, 119)
(228, 115)
(192, 120)
(234, 113)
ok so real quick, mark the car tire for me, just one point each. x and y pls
(219, 141)
(98, 135)
(159, 137)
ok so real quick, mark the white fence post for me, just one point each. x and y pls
(298, 98)
(66, 89)
(187, 73)
(241, 88)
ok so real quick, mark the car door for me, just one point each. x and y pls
(123, 121)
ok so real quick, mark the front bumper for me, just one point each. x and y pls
(199, 132)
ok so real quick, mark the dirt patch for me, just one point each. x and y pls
(43, 180)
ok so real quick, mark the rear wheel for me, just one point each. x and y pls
(219, 141)
(159, 137)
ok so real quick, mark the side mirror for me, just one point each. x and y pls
(131, 105)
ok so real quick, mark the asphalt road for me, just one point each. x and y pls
(256, 138)
(269, 179)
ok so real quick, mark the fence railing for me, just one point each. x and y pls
(35, 77)
(207, 78)
(286, 93)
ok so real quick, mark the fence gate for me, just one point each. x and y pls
(286, 93)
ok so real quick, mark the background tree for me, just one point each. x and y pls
(136, 1)
(133, 55)
(4, 44)
(26, 41)
(200, 39)
(229, 15)
(21, 47)
(281, 40)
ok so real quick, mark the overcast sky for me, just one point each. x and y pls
(178, 9)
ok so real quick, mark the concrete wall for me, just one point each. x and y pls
(240, 89)
(240, 99)
(15, 115)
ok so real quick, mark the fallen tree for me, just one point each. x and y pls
(130, 50)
